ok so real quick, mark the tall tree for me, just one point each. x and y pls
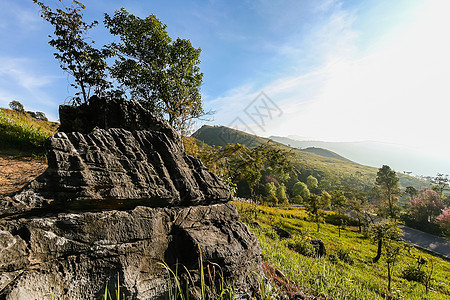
(76, 55)
(387, 181)
(163, 74)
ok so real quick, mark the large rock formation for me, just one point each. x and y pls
(113, 204)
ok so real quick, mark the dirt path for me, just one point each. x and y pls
(15, 172)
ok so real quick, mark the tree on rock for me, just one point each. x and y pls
(76, 55)
(387, 181)
(163, 74)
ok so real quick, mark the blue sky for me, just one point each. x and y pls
(332, 70)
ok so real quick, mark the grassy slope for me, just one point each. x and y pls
(335, 279)
(22, 134)
(336, 170)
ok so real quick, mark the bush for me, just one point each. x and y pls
(343, 255)
(17, 106)
(334, 219)
(302, 245)
(414, 273)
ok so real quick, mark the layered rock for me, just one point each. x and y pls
(119, 197)
(74, 256)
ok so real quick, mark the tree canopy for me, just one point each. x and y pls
(163, 74)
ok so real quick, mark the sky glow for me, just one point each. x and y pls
(338, 70)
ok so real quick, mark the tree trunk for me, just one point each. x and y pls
(377, 258)
(389, 277)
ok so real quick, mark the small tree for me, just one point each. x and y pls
(270, 191)
(281, 194)
(440, 183)
(16, 106)
(300, 191)
(387, 181)
(426, 206)
(393, 249)
(314, 207)
(338, 202)
(76, 56)
(382, 232)
(411, 191)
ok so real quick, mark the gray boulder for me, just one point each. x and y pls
(76, 255)
(119, 197)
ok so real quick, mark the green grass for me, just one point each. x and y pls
(19, 131)
(356, 277)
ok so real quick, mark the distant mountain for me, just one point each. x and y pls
(332, 169)
(376, 154)
(221, 135)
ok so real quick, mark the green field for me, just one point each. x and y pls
(347, 272)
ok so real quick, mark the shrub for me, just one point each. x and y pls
(344, 254)
(17, 106)
(302, 245)
(416, 272)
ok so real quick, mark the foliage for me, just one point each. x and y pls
(416, 272)
(76, 55)
(300, 190)
(426, 206)
(270, 193)
(312, 183)
(314, 207)
(338, 202)
(411, 191)
(388, 182)
(383, 233)
(16, 106)
(302, 245)
(443, 220)
(239, 162)
(440, 183)
(343, 254)
(163, 74)
(281, 194)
